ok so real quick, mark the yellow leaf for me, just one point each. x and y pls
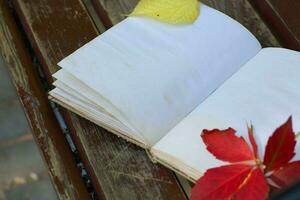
(169, 11)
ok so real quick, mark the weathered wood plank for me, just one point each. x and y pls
(241, 10)
(47, 133)
(126, 171)
(283, 17)
(119, 170)
(112, 12)
(69, 22)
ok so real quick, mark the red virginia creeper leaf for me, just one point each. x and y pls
(256, 187)
(280, 148)
(221, 182)
(287, 175)
(226, 146)
(252, 141)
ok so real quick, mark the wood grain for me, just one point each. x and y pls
(240, 10)
(112, 12)
(119, 170)
(47, 133)
(283, 17)
(125, 169)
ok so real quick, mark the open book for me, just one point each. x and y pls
(160, 85)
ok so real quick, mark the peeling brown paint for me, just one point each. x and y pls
(57, 156)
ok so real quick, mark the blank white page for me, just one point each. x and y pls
(266, 91)
(156, 73)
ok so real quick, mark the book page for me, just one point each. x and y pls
(155, 73)
(265, 92)
(69, 84)
(81, 106)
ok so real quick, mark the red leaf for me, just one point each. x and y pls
(256, 187)
(287, 175)
(252, 141)
(221, 182)
(226, 146)
(280, 148)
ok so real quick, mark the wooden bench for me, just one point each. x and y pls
(84, 160)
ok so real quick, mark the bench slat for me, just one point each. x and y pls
(45, 128)
(112, 12)
(283, 17)
(119, 170)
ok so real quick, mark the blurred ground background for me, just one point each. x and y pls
(23, 175)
